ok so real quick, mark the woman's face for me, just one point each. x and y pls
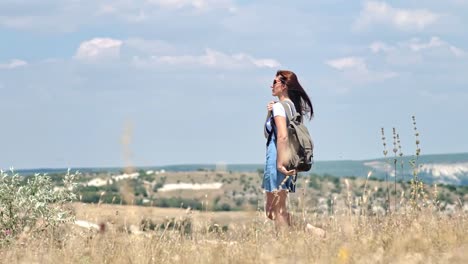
(277, 87)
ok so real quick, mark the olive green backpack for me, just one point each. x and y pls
(301, 146)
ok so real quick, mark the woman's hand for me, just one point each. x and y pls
(283, 170)
(270, 106)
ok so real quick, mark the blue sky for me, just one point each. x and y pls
(159, 82)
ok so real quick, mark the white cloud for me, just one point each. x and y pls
(211, 58)
(404, 19)
(265, 63)
(457, 52)
(149, 53)
(355, 68)
(416, 45)
(99, 49)
(14, 63)
(355, 63)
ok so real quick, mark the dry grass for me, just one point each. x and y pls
(422, 237)
(133, 215)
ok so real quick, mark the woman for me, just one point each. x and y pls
(277, 179)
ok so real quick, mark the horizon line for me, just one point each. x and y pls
(209, 164)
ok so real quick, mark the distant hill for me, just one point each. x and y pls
(441, 168)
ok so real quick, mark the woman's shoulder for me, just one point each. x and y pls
(278, 105)
(278, 109)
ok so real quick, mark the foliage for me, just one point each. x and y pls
(314, 182)
(222, 207)
(33, 204)
(179, 202)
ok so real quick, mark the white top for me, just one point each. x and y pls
(278, 110)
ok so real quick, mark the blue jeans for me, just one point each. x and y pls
(272, 178)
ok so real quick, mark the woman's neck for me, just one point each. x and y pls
(283, 97)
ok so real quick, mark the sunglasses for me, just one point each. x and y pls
(276, 81)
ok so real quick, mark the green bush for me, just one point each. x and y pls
(451, 188)
(89, 197)
(253, 201)
(314, 182)
(178, 202)
(33, 204)
(90, 189)
(239, 201)
(140, 190)
(462, 190)
(114, 188)
(222, 207)
(158, 186)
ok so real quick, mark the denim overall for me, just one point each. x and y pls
(272, 178)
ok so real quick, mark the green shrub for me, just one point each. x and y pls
(33, 204)
(89, 197)
(314, 182)
(336, 181)
(114, 188)
(216, 200)
(239, 201)
(158, 186)
(90, 189)
(178, 202)
(462, 190)
(253, 201)
(140, 190)
(451, 188)
(222, 207)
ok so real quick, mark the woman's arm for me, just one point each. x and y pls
(282, 148)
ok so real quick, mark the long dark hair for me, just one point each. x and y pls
(296, 93)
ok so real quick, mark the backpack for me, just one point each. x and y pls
(301, 146)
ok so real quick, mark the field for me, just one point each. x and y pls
(424, 237)
(334, 221)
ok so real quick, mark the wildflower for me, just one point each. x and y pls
(343, 255)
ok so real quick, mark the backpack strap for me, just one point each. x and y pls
(294, 115)
(273, 130)
(292, 110)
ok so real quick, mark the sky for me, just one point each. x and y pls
(86, 83)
